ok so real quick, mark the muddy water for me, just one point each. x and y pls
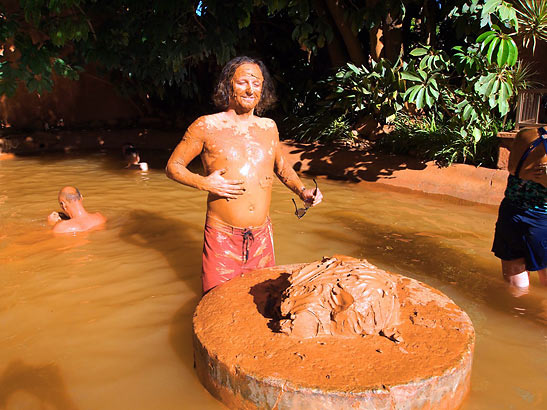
(103, 320)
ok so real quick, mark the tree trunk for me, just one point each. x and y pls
(393, 38)
(430, 20)
(386, 39)
(337, 53)
(376, 43)
(353, 46)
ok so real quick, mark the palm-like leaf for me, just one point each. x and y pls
(524, 77)
(532, 17)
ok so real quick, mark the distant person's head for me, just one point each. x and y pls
(225, 91)
(131, 154)
(69, 198)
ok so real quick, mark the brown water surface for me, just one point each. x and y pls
(102, 320)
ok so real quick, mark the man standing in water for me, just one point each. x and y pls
(240, 153)
(76, 218)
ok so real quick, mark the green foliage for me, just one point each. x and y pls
(346, 98)
(532, 18)
(458, 80)
(38, 52)
(459, 97)
(431, 139)
(498, 44)
(359, 90)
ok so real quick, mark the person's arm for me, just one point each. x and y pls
(290, 179)
(53, 218)
(190, 147)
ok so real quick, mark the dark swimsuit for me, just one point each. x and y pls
(521, 228)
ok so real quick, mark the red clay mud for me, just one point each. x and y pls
(246, 362)
(340, 298)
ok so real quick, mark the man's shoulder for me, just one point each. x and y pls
(99, 218)
(66, 226)
(80, 225)
(266, 123)
(206, 122)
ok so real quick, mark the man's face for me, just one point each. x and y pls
(247, 87)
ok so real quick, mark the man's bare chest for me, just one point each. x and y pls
(240, 149)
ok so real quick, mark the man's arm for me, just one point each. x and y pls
(190, 147)
(286, 174)
(53, 218)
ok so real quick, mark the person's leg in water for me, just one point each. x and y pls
(514, 272)
(543, 276)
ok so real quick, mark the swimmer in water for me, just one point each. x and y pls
(4, 155)
(240, 152)
(74, 217)
(132, 158)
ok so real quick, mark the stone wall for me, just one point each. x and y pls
(88, 102)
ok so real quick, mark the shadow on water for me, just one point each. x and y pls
(44, 383)
(352, 164)
(417, 254)
(176, 241)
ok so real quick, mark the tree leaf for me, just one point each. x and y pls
(490, 6)
(476, 134)
(483, 37)
(420, 98)
(417, 52)
(513, 53)
(429, 100)
(503, 52)
(491, 49)
(407, 75)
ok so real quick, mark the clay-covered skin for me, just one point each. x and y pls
(533, 167)
(340, 298)
(241, 154)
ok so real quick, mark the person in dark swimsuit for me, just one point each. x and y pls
(520, 239)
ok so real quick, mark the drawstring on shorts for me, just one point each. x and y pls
(248, 239)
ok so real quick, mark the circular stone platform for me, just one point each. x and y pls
(244, 361)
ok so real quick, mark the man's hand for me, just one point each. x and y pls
(311, 196)
(225, 188)
(53, 218)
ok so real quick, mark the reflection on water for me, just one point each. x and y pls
(102, 320)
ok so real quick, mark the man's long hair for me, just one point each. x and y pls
(224, 90)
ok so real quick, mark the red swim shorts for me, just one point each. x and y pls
(228, 251)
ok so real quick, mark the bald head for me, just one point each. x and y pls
(69, 194)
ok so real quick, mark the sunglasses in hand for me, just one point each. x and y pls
(300, 212)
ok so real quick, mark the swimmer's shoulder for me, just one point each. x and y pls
(66, 227)
(73, 225)
(99, 218)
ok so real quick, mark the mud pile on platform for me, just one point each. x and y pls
(416, 355)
